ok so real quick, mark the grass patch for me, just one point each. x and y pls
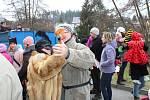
(128, 78)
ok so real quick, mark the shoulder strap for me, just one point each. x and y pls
(16, 61)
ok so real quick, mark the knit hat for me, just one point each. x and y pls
(121, 30)
(63, 28)
(13, 40)
(95, 30)
(28, 41)
(3, 47)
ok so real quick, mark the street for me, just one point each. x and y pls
(120, 95)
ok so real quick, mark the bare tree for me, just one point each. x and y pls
(29, 12)
(141, 20)
(148, 10)
(12, 3)
(119, 14)
(26, 10)
(137, 6)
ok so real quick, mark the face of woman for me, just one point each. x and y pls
(103, 39)
(12, 45)
(93, 35)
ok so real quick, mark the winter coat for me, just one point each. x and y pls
(3, 51)
(44, 77)
(7, 56)
(26, 55)
(137, 71)
(96, 47)
(76, 71)
(107, 62)
(136, 53)
(18, 56)
(10, 87)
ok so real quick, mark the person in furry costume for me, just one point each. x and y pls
(138, 57)
(44, 73)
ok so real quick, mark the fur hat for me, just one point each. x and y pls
(42, 35)
(43, 44)
(3, 47)
(28, 41)
(95, 30)
(13, 40)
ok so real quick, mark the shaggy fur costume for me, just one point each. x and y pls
(44, 77)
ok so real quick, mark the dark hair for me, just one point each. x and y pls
(43, 35)
(12, 40)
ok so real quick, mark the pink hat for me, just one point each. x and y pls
(28, 41)
(3, 47)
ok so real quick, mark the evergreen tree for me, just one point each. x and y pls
(86, 18)
(93, 14)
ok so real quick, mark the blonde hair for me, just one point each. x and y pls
(108, 36)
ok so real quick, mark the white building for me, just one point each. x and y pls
(76, 21)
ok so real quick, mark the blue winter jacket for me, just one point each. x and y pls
(107, 62)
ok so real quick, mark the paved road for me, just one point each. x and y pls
(120, 95)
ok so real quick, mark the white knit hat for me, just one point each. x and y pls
(95, 30)
(67, 27)
(121, 29)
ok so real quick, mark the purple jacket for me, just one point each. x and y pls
(107, 62)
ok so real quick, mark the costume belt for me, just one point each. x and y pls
(76, 86)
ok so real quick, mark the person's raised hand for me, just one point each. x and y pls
(60, 50)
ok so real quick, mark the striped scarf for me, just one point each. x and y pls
(128, 36)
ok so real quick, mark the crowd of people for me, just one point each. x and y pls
(119, 50)
(64, 71)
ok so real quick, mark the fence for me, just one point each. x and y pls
(20, 35)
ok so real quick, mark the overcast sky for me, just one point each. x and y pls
(63, 5)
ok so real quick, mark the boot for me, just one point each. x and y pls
(97, 96)
(93, 91)
(136, 98)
